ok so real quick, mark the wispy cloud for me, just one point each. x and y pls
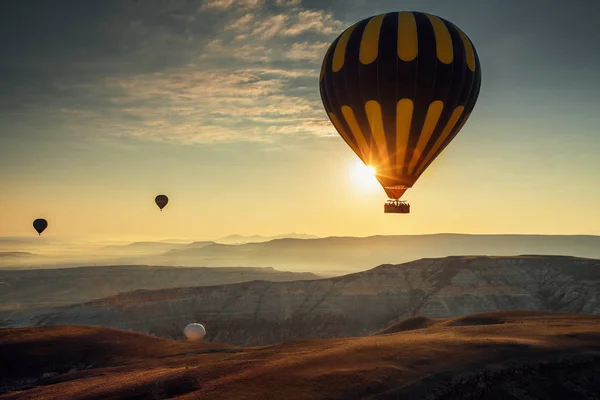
(287, 3)
(199, 106)
(307, 51)
(228, 4)
(255, 78)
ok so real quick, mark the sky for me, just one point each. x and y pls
(104, 105)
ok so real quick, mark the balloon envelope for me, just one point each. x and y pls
(194, 332)
(398, 87)
(40, 225)
(161, 201)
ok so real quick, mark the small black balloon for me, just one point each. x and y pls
(40, 225)
(161, 201)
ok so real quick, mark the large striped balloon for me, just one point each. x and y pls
(398, 87)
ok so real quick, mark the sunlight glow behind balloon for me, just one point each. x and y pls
(364, 176)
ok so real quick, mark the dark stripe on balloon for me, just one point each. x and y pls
(406, 75)
(331, 97)
(425, 82)
(468, 97)
(451, 96)
(354, 81)
(387, 71)
(443, 69)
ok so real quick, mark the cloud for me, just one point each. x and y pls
(288, 3)
(308, 51)
(293, 23)
(193, 106)
(269, 27)
(244, 70)
(228, 4)
(249, 52)
(242, 23)
(316, 21)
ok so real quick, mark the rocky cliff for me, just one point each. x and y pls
(262, 312)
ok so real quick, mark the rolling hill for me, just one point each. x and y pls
(504, 355)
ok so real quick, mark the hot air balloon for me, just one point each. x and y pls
(194, 332)
(161, 201)
(398, 87)
(40, 225)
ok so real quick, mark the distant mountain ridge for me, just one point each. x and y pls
(145, 247)
(326, 256)
(241, 239)
(337, 255)
(15, 254)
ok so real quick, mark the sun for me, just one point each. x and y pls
(364, 176)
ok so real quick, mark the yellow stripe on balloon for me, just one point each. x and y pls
(408, 43)
(431, 120)
(447, 130)
(340, 50)
(369, 45)
(356, 131)
(469, 53)
(443, 41)
(373, 111)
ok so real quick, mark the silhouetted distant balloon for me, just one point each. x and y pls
(161, 201)
(398, 87)
(194, 332)
(40, 225)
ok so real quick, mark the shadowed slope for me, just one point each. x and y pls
(441, 361)
(27, 353)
